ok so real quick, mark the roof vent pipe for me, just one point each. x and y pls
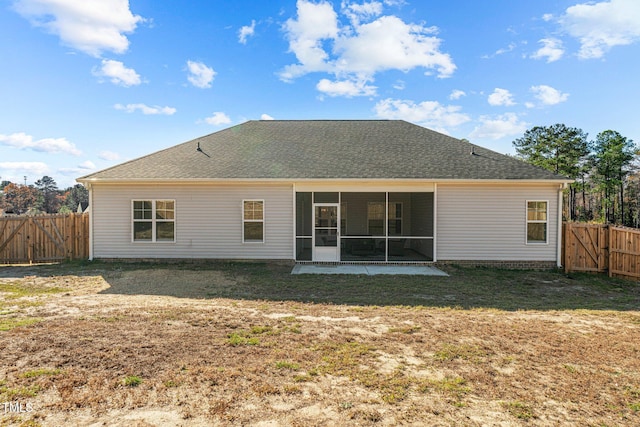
(473, 150)
(201, 150)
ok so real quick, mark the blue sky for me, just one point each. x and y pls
(88, 84)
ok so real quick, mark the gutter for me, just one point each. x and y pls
(416, 181)
(561, 189)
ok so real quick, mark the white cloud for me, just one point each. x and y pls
(15, 171)
(316, 22)
(428, 113)
(83, 168)
(399, 85)
(548, 95)
(389, 43)
(501, 51)
(88, 26)
(457, 94)
(200, 75)
(117, 73)
(108, 155)
(246, 31)
(266, 117)
(603, 25)
(346, 88)
(218, 118)
(87, 165)
(500, 97)
(359, 50)
(358, 12)
(547, 17)
(145, 109)
(23, 141)
(551, 49)
(499, 127)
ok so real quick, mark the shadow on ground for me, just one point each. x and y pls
(465, 288)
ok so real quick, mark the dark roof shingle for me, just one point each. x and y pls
(324, 149)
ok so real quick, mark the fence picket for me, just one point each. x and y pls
(620, 257)
(44, 238)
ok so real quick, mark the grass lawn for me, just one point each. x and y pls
(248, 343)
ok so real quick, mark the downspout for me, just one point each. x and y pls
(559, 238)
(294, 254)
(91, 209)
(435, 222)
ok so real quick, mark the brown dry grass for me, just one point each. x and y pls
(150, 345)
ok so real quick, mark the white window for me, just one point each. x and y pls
(253, 221)
(375, 218)
(537, 222)
(394, 219)
(154, 221)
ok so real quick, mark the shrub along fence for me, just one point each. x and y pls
(44, 238)
(602, 248)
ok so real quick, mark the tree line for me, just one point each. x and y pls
(607, 183)
(42, 197)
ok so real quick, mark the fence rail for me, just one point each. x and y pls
(602, 248)
(44, 238)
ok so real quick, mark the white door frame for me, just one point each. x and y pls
(326, 252)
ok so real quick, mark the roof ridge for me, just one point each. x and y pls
(326, 120)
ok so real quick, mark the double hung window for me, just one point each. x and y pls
(375, 218)
(253, 221)
(537, 223)
(154, 220)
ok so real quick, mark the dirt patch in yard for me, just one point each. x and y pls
(172, 346)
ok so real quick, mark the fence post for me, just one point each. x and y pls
(568, 244)
(71, 240)
(609, 249)
(30, 239)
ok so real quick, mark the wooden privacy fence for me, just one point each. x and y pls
(602, 248)
(44, 238)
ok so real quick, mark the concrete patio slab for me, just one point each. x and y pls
(370, 270)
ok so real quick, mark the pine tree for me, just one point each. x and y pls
(50, 192)
(559, 149)
(613, 156)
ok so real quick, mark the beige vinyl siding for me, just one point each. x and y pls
(208, 221)
(488, 222)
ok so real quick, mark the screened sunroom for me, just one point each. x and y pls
(364, 226)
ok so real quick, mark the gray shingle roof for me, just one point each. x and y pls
(324, 149)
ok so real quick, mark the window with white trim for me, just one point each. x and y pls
(154, 220)
(375, 218)
(537, 221)
(253, 221)
(394, 219)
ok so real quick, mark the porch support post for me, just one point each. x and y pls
(386, 227)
